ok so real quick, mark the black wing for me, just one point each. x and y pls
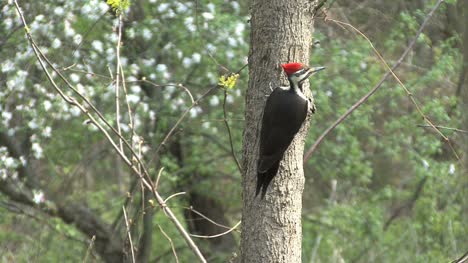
(284, 113)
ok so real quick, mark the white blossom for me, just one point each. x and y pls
(211, 7)
(181, 8)
(161, 68)
(9, 162)
(56, 43)
(39, 18)
(196, 57)
(97, 45)
(132, 98)
(135, 89)
(206, 125)
(69, 31)
(148, 62)
(74, 77)
(240, 28)
(75, 111)
(163, 7)
(47, 132)
(147, 34)
(8, 23)
(208, 16)
(187, 62)
(77, 39)
(235, 5)
(38, 196)
(6, 117)
(59, 11)
(47, 105)
(425, 164)
(189, 23)
(102, 6)
(214, 101)
(7, 65)
(229, 99)
(23, 160)
(232, 41)
(451, 168)
(37, 150)
(152, 115)
(230, 54)
(195, 111)
(33, 124)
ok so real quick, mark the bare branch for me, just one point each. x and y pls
(379, 84)
(170, 241)
(218, 235)
(462, 259)
(443, 127)
(173, 195)
(90, 247)
(117, 81)
(207, 218)
(229, 133)
(127, 224)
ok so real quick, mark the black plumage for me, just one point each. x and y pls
(284, 113)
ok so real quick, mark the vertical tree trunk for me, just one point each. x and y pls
(281, 31)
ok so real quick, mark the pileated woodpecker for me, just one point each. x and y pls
(285, 111)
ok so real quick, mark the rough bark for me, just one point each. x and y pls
(281, 31)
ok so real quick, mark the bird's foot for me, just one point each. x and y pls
(312, 106)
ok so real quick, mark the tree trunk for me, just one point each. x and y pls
(281, 31)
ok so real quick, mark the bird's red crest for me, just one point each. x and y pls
(290, 68)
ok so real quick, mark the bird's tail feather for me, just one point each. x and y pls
(264, 179)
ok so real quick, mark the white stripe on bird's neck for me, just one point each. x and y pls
(296, 88)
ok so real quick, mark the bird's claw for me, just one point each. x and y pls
(312, 106)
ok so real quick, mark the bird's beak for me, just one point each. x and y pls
(316, 69)
(311, 71)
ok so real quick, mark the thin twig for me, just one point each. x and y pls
(178, 85)
(229, 133)
(173, 195)
(170, 241)
(443, 127)
(117, 81)
(130, 116)
(182, 117)
(156, 183)
(207, 218)
(171, 131)
(92, 74)
(379, 84)
(127, 224)
(218, 235)
(88, 251)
